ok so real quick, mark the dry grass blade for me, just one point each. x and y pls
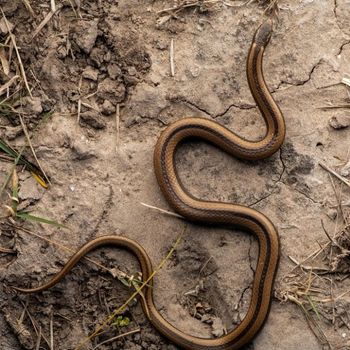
(137, 330)
(138, 291)
(334, 173)
(167, 212)
(29, 7)
(185, 4)
(45, 21)
(53, 5)
(117, 126)
(13, 39)
(4, 62)
(51, 332)
(172, 64)
(32, 148)
(7, 85)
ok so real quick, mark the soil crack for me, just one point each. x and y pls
(298, 83)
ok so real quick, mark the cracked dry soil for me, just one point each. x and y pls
(117, 52)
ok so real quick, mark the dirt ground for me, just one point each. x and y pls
(99, 72)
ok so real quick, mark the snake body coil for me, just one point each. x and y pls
(197, 210)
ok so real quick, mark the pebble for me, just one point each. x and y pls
(339, 121)
(30, 190)
(12, 132)
(93, 119)
(218, 327)
(82, 151)
(3, 26)
(114, 71)
(90, 73)
(108, 108)
(86, 34)
(172, 347)
(31, 105)
(345, 170)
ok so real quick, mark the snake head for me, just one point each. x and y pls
(263, 33)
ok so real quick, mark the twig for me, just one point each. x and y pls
(338, 176)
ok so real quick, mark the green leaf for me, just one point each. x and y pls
(121, 321)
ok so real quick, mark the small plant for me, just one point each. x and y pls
(21, 214)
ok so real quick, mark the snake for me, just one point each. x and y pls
(209, 212)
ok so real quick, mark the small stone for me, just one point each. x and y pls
(114, 71)
(207, 319)
(82, 151)
(172, 347)
(339, 121)
(90, 73)
(345, 170)
(86, 34)
(29, 189)
(332, 214)
(162, 45)
(132, 120)
(93, 119)
(3, 27)
(132, 71)
(31, 105)
(62, 52)
(108, 108)
(218, 327)
(108, 56)
(12, 132)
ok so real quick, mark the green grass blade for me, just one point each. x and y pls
(26, 216)
(7, 149)
(314, 308)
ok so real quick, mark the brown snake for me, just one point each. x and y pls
(200, 211)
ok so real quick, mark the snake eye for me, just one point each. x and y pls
(263, 33)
